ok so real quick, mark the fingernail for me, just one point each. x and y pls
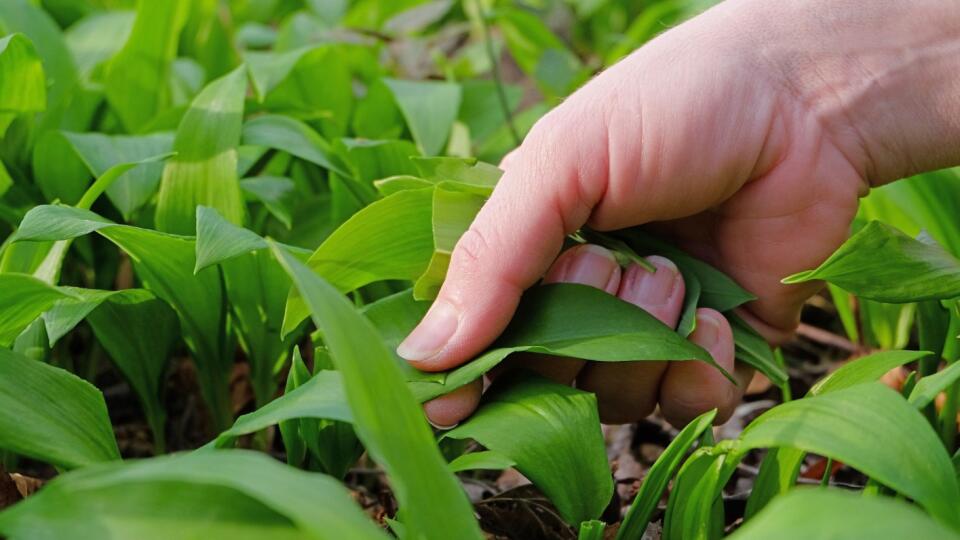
(707, 333)
(587, 265)
(640, 286)
(443, 428)
(432, 334)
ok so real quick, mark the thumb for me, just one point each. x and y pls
(543, 196)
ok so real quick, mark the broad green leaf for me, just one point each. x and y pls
(387, 418)
(98, 37)
(377, 115)
(136, 187)
(269, 69)
(863, 370)
(24, 88)
(68, 312)
(881, 263)
(23, 298)
(552, 431)
(470, 172)
(480, 108)
(390, 239)
(874, 430)
(372, 160)
(59, 173)
(219, 240)
(929, 387)
(320, 397)
(138, 331)
(429, 108)
(290, 430)
(52, 415)
(833, 514)
(658, 477)
(137, 80)
(601, 328)
(165, 263)
(483, 460)
(204, 171)
(278, 195)
(224, 494)
(291, 136)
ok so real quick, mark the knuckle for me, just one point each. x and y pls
(471, 250)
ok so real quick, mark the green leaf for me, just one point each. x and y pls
(863, 370)
(24, 88)
(601, 328)
(466, 172)
(387, 419)
(929, 387)
(138, 331)
(540, 53)
(883, 264)
(874, 430)
(219, 240)
(204, 171)
(49, 414)
(292, 136)
(430, 108)
(278, 195)
(778, 474)
(68, 312)
(390, 239)
(552, 431)
(23, 299)
(658, 477)
(718, 291)
(136, 187)
(137, 80)
(224, 494)
(165, 263)
(832, 514)
(290, 429)
(98, 37)
(591, 530)
(752, 349)
(320, 397)
(483, 460)
(691, 508)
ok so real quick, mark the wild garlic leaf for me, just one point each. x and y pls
(930, 386)
(292, 136)
(874, 430)
(222, 494)
(137, 80)
(429, 108)
(883, 264)
(482, 460)
(835, 514)
(24, 88)
(51, 415)
(658, 477)
(863, 370)
(204, 171)
(386, 417)
(24, 298)
(552, 432)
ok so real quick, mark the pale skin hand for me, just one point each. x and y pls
(747, 136)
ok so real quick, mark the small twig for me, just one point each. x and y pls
(824, 337)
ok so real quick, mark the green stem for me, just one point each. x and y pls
(591, 530)
(785, 392)
(948, 418)
(827, 473)
(495, 69)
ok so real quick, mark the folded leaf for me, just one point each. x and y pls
(430, 108)
(863, 370)
(929, 387)
(52, 415)
(24, 88)
(483, 460)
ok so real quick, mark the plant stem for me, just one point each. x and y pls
(495, 69)
(591, 530)
(827, 473)
(785, 392)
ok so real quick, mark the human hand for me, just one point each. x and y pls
(746, 136)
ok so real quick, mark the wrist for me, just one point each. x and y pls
(883, 77)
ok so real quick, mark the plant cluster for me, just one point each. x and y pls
(279, 184)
